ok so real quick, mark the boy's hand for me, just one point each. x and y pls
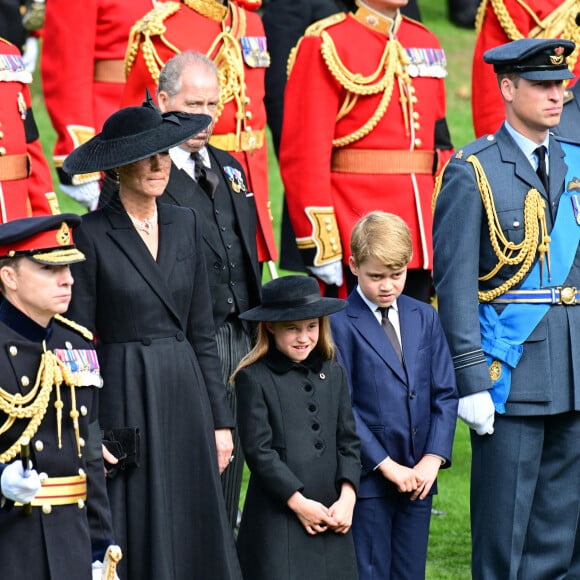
(427, 468)
(341, 510)
(313, 515)
(405, 478)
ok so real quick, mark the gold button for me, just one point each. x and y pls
(248, 114)
(416, 115)
(335, 247)
(46, 509)
(1, 134)
(24, 381)
(13, 350)
(81, 442)
(412, 90)
(332, 240)
(84, 410)
(418, 142)
(68, 345)
(328, 228)
(38, 445)
(327, 220)
(2, 151)
(416, 125)
(81, 503)
(81, 472)
(414, 100)
(42, 476)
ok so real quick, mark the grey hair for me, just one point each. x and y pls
(170, 75)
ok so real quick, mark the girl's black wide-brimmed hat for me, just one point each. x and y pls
(132, 134)
(292, 298)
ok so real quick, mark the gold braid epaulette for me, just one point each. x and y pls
(509, 253)
(381, 81)
(82, 330)
(51, 372)
(315, 29)
(560, 23)
(150, 25)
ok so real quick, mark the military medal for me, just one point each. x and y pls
(236, 179)
(12, 69)
(255, 51)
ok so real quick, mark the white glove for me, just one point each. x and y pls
(30, 54)
(98, 571)
(478, 411)
(329, 273)
(19, 485)
(87, 194)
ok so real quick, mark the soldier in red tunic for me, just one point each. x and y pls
(82, 66)
(500, 21)
(364, 129)
(25, 180)
(234, 38)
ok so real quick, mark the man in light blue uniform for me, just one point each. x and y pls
(507, 274)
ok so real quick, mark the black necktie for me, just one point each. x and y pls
(205, 177)
(541, 171)
(391, 332)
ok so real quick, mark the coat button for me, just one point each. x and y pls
(13, 350)
(414, 431)
(24, 381)
(81, 504)
(315, 426)
(84, 410)
(308, 388)
(46, 508)
(318, 445)
(230, 300)
(412, 395)
(38, 446)
(68, 345)
(146, 341)
(312, 408)
(180, 336)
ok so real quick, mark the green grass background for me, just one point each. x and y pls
(449, 544)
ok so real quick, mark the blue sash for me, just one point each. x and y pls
(502, 336)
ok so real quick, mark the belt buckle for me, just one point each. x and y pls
(568, 295)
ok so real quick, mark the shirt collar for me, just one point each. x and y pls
(372, 306)
(181, 157)
(527, 145)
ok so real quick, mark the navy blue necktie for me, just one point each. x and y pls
(541, 170)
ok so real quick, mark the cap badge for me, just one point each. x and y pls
(558, 57)
(63, 235)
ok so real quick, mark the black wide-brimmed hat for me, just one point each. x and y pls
(534, 59)
(44, 239)
(292, 298)
(132, 134)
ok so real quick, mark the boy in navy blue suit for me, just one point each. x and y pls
(404, 400)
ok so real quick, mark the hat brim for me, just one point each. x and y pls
(546, 75)
(323, 307)
(101, 154)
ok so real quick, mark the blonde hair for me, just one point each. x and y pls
(383, 236)
(265, 341)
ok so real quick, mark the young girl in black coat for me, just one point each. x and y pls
(299, 439)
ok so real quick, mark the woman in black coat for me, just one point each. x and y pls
(144, 292)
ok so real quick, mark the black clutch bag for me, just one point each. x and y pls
(125, 445)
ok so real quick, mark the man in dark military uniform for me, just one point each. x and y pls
(506, 270)
(55, 521)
